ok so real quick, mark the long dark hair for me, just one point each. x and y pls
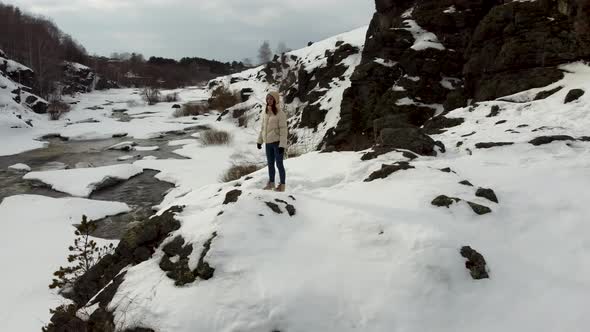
(274, 108)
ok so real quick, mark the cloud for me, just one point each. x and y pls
(221, 29)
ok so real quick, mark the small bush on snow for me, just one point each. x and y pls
(215, 137)
(237, 171)
(151, 95)
(57, 108)
(223, 98)
(192, 109)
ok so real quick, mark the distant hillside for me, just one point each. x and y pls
(39, 44)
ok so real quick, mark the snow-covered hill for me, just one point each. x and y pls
(312, 80)
(373, 245)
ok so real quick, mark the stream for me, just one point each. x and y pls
(141, 192)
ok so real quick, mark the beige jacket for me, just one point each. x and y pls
(274, 127)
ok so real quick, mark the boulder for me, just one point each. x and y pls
(487, 193)
(573, 95)
(542, 140)
(387, 170)
(232, 196)
(412, 139)
(475, 263)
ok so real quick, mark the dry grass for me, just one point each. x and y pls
(151, 95)
(170, 98)
(192, 109)
(223, 98)
(56, 109)
(238, 171)
(215, 137)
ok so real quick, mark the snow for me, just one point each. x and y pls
(422, 38)
(20, 167)
(182, 142)
(26, 138)
(357, 256)
(13, 66)
(386, 63)
(81, 182)
(36, 232)
(450, 10)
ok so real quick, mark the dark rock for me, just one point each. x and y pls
(487, 193)
(446, 170)
(274, 207)
(176, 106)
(441, 146)
(467, 135)
(409, 155)
(501, 122)
(584, 139)
(121, 135)
(434, 125)
(445, 201)
(412, 139)
(487, 145)
(479, 209)
(245, 94)
(232, 196)
(475, 263)
(459, 144)
(466, 183)
(549, 139)
(387, 170)
(573, 95)
(139, 329)
(290, 208)
(522, 126)
(494, 112)
(547, 93)
(147, 235)
(101, 320)
(204, 270)
(174, 247)
(166, 264)
(220, 213)
(291, 197)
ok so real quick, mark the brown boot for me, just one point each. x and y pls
(280, 188)
(269, 186)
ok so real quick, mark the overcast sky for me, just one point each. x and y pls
(214, 29)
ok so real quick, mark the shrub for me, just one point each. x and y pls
(223, 98)
(215, 137)
(192, 109)
(84, 254)
(243, 121)
(151, 95)
(237, 171)
(133, 103)
(170, 98)
(57, 108)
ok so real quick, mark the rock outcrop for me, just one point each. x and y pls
(423, 58)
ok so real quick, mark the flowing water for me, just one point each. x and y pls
(141, 192)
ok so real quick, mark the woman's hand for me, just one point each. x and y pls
(259, 146)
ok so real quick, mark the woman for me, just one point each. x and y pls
(273, 134)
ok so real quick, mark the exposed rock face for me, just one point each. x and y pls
(476, 49)
(136, 246)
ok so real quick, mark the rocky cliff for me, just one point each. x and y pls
(422, 58)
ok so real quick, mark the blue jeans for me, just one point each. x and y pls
(274, 155)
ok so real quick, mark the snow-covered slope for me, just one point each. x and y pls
(348, 249)
(312, 81)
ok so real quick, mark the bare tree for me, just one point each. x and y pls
(264, 52)
(282, 48)
(247, 62)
